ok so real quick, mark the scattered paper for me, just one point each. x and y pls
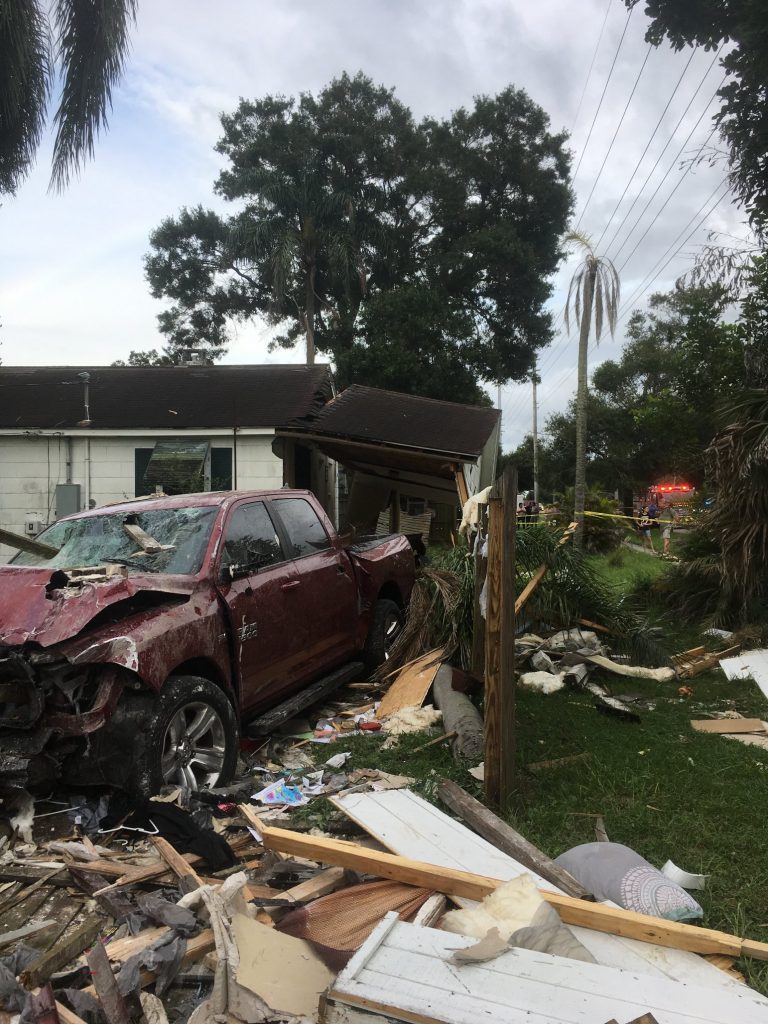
(684, 878)
(338, 760)
(279, 792)
(478, 772)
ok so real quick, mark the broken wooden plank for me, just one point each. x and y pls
(697, 660)
(66, 1016)
(42, 1007)
(143, 539)
(32, 547)
(320, 885)
(112, 1003)
(540, 573)
(597, 916)
(186, 874)
(412, 685)
(196, 949)
(430, 912)
(438, 739)
(9, 938)
(558, 762)
(506, 839)
(59, 955)
(114, 904)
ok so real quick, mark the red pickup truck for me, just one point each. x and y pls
(135, 639)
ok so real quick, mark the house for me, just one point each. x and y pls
(74, 437)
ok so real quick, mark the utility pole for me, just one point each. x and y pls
(535, 381)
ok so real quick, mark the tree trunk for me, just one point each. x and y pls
(581, 410)
(309, 315)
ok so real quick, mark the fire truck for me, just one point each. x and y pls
(678, 495)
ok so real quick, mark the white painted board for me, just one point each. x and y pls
(748, 665)
(402, 971)
(411, 827)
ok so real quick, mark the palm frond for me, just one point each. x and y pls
(25, 82)
(93, 42)
(598, 304)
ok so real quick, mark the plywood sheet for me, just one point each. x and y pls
(407, 825)
(403, 971)
(728, 725)
(411, 686)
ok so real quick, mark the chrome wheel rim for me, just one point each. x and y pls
(194, 747)
(392, 626)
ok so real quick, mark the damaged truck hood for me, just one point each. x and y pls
(33, 609)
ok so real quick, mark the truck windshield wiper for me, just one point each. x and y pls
(130, 562)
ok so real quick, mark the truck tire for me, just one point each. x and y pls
(386, 624)
(190, 736)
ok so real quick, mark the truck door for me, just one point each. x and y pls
(258, 585)
(327, 595)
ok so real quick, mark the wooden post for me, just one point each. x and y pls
(500, 641)
(478, 622)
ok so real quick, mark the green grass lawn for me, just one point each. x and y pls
(661, 788)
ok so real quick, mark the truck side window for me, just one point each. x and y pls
(250, 538)
(306, 533)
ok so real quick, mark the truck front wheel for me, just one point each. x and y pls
(191, 740)
(386, 625)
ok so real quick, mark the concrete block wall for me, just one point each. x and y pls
(32, 464)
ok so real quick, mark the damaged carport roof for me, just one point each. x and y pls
(377, 417)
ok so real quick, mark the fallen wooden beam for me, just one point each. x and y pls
(32, 547)
(558, 762)
(58, 956)
(540, 573)
(186, 874)
(112, 1003)
(197, 947)
(597, 916)
(505, 838)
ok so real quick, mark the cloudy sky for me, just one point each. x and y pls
(72, 288)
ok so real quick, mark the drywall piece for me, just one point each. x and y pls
(684, 878)
(411, 686)
(748, 665)
(407, 825)
(285, 972)
(404, 972)
(728, 725)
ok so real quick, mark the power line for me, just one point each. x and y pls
(591, 66)
(615, 134)
(626, 216)
(654, 273)
(605, 89)
(661, 209)
(555, 352)
(648, 145)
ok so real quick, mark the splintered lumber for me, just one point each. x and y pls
(112, 1003)
(558, 762)
(186, 874)
(598, 916)
(66, 1016)
(412, 685)
(196, 949)
(114, 904)
(58, 956)
(42, 1007)
(143, 539)
(540, 573)
(8, 938)
(320, 885)
(505, 838)
(32, 547)
(697, 660)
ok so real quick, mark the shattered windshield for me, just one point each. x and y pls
(171, 540)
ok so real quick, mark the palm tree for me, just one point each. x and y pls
(594, 286)
(82, 44)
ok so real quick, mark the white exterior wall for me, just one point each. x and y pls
(32, 464)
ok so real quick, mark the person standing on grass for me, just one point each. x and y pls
(644, 525)
(668, 517)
